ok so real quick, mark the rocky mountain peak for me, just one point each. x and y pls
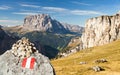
(39, 16)
(24, 59)
(44, 23)
(40, 22)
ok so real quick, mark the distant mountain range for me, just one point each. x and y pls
(45, 23)
(50, 36)
(73, 28)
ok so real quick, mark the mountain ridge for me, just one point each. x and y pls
(43, 22)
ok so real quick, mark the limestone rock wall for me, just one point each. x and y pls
(101, 30)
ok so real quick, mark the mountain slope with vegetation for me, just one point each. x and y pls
(51, 43)
(47, 43)
(49, 35)
(71, 65)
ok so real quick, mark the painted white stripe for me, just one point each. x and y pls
(28, 63)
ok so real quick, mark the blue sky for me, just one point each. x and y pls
(76, 12)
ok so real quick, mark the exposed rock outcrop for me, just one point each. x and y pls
(97, 68)
(101, 30)
(11, 62)
(44, 23)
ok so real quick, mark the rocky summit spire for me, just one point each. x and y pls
(24, 59)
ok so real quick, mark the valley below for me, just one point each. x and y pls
(49, 36)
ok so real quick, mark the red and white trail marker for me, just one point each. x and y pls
(28, 62)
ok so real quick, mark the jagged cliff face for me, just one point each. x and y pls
(44, 23)
(101, 30)
(37, 22)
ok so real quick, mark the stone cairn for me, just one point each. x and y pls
(23, 56)
(23, 48)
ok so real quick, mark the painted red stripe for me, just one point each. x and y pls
(24, 62)
(32, 63)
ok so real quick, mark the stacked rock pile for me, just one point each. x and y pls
(23, 48)
(24, 59)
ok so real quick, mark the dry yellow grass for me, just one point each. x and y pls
(70, 65)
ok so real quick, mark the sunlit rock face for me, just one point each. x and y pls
(44, 23)
(101, 30)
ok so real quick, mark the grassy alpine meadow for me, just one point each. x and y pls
(71, 65)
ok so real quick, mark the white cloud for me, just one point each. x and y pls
(80, 3)
(10, 21)
(25, 13)
(29, 5)
(7, 22)
(73, 12)
(86, 12)
(49, 10)
(4, 7)
(57, 9)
